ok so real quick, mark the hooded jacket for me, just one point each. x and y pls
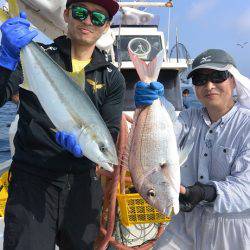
(36, 150)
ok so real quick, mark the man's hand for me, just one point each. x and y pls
(192, 195)
(68, 142)
(145, 93)
(15, 36)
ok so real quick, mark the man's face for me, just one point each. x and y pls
(85, 32)
(215, 95)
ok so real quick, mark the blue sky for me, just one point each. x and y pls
(204, 24)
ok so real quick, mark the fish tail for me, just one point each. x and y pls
(147, 72)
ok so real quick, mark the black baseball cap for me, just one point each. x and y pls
(216, 59)
(111, 6)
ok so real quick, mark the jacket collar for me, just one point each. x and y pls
(223, 119)
(64, 45)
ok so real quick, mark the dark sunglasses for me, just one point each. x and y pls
(200, 79)
(80, 13)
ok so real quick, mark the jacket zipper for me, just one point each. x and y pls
(68, 183)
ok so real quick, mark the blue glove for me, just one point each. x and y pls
(68, 142)
(15, 36)
(145, 93)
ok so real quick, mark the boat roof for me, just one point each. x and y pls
(118, 21)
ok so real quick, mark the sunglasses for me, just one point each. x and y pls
(80, 13)
(200, 79)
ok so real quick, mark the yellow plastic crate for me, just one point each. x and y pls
(4, 192)
(135, 210)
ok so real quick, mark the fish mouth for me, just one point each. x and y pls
(108, 163)
(107, 166)
(112, 159)
(168, 211)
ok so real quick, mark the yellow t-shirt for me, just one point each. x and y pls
(77, 73)
(78, 66)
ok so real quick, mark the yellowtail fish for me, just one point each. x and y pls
(68, 106)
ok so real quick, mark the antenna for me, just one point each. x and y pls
(169, 16)
(179, 50)
(145, 4)
(177, 45)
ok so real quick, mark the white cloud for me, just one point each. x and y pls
(200, 8)
(243, 21)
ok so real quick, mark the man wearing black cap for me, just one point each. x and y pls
(55, 196)
(214, 196)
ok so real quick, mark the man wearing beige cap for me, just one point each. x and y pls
(55, 196)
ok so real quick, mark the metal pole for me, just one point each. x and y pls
(177, 45)
(168, 39)
(142, 4)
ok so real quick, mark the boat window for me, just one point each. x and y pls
(168, 77)
(121, 47)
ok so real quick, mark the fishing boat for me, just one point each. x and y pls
(131, 27)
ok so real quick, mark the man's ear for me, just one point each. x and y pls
(106, 28)
(66, 15)
(233, 82)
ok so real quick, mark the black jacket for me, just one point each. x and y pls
(36, 149)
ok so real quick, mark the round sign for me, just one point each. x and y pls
(140, 47)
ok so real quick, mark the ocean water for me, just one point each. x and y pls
(7, 115)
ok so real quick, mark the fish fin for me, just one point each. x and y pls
(169, 211)
(53, 130)
(140, 66)
(25, 84)
(3, 15)
(13, 8)
(5, 166)
(131, 131)
(154, 66)
(147, 72)
(176, 207)
(183, 154)
(170, 108)
(187, 148)
(135, 117)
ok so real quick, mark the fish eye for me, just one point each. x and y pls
(162, 166)
(151, 193)
(102, 148)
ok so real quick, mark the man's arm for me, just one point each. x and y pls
(4, 91)
(111, 110)
(233, 194)
(9, 81)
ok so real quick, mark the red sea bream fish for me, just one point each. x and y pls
(153, 157)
